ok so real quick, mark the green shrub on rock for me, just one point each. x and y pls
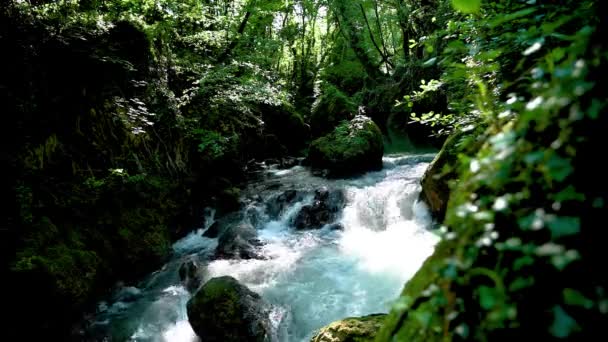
(353, 147)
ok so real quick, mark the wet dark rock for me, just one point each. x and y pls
(222, 224)
(253, 216)
(190, 274)
(276, 205)
(254, 166)
(225, 310)
(213, 231)
(271, 161)
(336, 226)
(325, 209)
(127, 294)
(273, 186)
(289, 162)
(239, 241)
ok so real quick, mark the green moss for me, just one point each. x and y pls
(353, 329)
(62, 264)
(352, 147)
(225, 310)
(330, 109)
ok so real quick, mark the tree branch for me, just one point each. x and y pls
(371, 35)
(236, 40)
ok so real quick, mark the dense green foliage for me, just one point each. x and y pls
(522, 250)
(125, 118)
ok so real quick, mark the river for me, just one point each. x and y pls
(310, 277)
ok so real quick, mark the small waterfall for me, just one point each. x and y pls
(310, 277)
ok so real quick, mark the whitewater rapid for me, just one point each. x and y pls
(310, 277)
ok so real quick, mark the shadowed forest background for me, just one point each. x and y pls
(124, 119)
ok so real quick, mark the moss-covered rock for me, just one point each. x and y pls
(329, 110)
(443, 170)
(353, 329)
(435, 187)
(353, 147)
(225, 310)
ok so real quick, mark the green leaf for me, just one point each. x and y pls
(534, 157)
(487, 297)
(569, 194)
(512, 16)
(521, 283)
(563, 324)
(559, 168)
(561, 261)
(523, 262)
(575, 298)
(430, 61)
(564, 226)
(424, 317)
(467, 6)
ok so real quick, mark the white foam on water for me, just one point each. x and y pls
(310, 278)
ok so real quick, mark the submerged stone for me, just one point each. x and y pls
(239, 241)
(276, 205)
(325, 209)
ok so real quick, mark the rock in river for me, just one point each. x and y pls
(227, 311)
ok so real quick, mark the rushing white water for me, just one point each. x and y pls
(312, 277)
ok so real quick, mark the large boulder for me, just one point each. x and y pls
(435, 187)
(330, 108)
(325, 209)
(239, 241)
(353, 147)
(353, 329)
(225, 310)
(222, 224)
(443, 170)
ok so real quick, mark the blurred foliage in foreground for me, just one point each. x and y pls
(523, 243)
